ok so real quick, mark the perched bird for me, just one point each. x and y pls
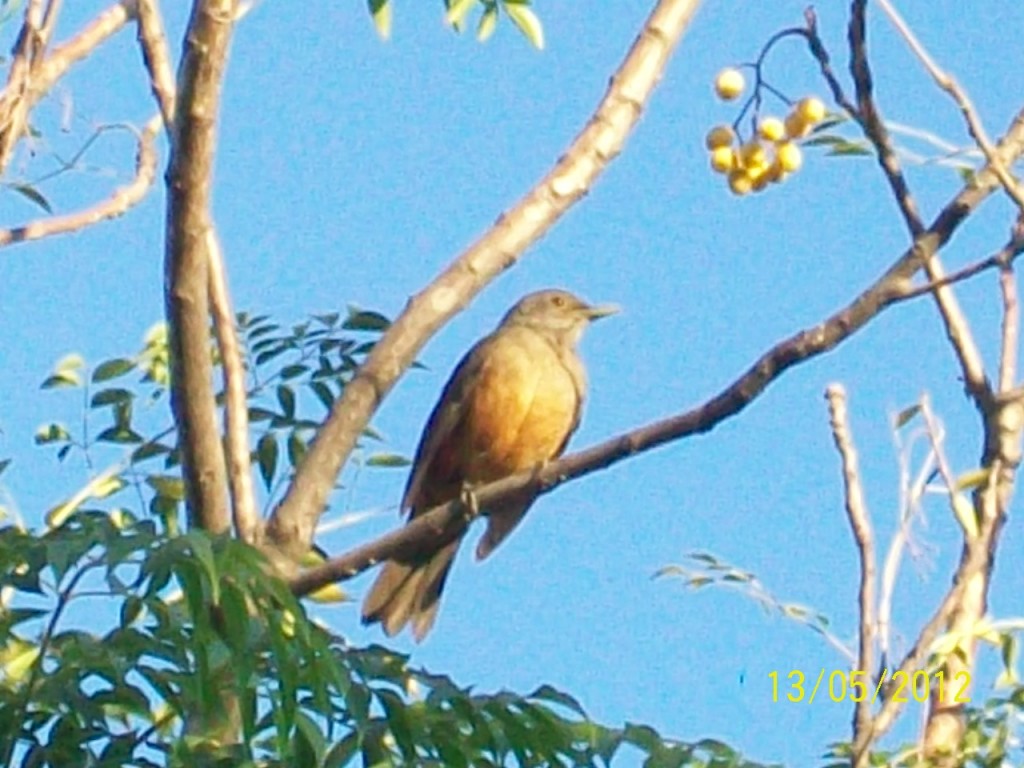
(511, 405)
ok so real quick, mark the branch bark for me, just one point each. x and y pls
(187, 260)
(293, 521)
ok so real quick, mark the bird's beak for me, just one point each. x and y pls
(601, 310)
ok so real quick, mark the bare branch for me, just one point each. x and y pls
(425, 530)
(14, 102)
(1002, 260)
(1011, 312)
(121, 200)
(863, 535)
(294, 520)
(155, 55)
(33, 72)
(871, 121)
(957, 329)
(187, 261)
(948, 83)
(67, 54)
(236, 405)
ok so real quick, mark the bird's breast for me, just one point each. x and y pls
(521, 409)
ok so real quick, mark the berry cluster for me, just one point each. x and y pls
(771, 154)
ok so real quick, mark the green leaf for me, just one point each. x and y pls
(291, 371)
(167, 486)
(67, 373)
(366, 321)
(547, 693)
(266, 456)
(380, 10)
(119, 435)
(111, 369)
(323, 393)
(904, 416)
(149, 450)
(111, 396)
(457, 12)
(524, 18)
(286, 398)
(32, 194)
(387, 460)
(52, 433)
(297, 448)
(488, 23)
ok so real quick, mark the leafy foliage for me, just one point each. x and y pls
(191, 617)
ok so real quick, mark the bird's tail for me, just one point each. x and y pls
(407, 593)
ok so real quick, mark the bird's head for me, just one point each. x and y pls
(558, 313)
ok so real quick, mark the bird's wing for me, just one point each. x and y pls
(434, 450)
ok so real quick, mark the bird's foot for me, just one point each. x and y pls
(469, 501)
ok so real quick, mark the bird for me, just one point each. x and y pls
(511, 404)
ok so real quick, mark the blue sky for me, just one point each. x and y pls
(352, 170)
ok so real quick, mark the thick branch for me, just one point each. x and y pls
(122, 199)
(423, 532)
(186, 262)
(293, 521)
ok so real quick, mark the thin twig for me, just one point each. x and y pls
(122, 199)
(911, 492)
(948, 83)
(236, 412)
(863, 535)
(1001, 260)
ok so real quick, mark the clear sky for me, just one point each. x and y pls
(352, 170)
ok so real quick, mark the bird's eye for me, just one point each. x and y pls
(558, 301)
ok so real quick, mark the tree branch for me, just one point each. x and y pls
(121, 200)
(872, 123)
(293, 521)
(948, 83)
(860, 525)
(957, 329)
(187, 261)
(236, 402)
(155, 55)
(428, 529)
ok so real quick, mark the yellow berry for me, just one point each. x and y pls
(719, 136)
(760, 181)
(811, 109)
(752, 154)
(788, 156)
(796, 126)
(729, 84)
(723, 159)
(771, 129)
(740, 183)
(776, 174)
